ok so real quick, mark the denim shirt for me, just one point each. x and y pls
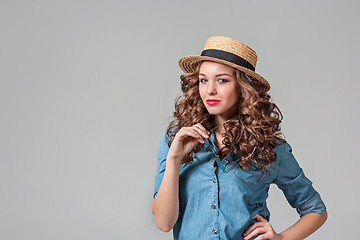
(217, 205)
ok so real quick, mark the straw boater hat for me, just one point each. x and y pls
(229, 52)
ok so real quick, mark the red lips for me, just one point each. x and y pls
(212, 101)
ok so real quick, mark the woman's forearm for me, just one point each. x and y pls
(166, 203)
(305, 226)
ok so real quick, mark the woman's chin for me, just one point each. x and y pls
(213, 112)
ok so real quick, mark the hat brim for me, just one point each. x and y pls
(189, 63)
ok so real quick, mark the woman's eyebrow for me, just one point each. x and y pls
(217, 75)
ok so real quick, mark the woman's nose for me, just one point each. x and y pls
(211, 88)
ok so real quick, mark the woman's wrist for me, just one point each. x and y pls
(281, 237)
(173, 160)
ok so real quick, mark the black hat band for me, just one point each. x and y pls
(228, 56)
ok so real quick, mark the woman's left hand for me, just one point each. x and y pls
(263, 228)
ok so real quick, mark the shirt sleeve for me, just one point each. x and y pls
(161, 162)
(296, 187)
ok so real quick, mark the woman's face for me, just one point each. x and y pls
(219, 89)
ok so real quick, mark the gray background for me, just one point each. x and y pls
(88, 87)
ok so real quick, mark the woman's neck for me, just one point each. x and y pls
(219, 122)
(220, 119)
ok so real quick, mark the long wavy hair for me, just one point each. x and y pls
(255, 127)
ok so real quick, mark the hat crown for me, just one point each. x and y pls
(233, 46)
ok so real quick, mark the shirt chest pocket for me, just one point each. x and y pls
(253, 176)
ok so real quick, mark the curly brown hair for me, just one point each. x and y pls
(255, 129)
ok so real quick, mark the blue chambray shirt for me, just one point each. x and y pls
(217, 205)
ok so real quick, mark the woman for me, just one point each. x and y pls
(222, 151)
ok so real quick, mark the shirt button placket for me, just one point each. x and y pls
(214, 208)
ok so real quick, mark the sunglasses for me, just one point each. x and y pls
(208, 146)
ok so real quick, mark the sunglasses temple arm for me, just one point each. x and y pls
(219, 163)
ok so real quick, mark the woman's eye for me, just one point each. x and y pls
(202, 80)
(222, 80)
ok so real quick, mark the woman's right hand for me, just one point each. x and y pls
(185, 140)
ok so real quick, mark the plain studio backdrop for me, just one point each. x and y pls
(88, 87)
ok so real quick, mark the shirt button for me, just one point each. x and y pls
(214, 180)
(214, 231)
(226, 161)
(213, 206)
